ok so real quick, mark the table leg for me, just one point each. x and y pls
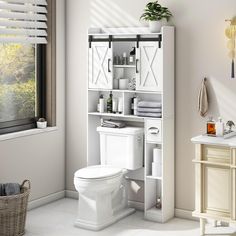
(202, 226)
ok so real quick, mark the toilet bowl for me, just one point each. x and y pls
(102, 196)
(102, 188)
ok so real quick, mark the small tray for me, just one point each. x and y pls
(226, 135)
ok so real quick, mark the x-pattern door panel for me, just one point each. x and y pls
(100, 65)
(149, 74)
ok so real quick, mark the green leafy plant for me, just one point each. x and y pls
(41, 120)
(230, 124)
(155, 12)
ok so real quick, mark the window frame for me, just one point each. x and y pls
(30, 123)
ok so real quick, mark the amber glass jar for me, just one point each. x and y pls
(211, 127)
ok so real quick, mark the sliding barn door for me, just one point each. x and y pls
(100, 65)
(149, 67)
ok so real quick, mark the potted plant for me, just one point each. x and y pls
(156, 15)
(41, 123)
(230, 124)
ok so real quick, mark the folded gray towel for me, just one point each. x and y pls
(151, 110)
(112, 124)
(149, 104)
(145, 114)
(12, 189)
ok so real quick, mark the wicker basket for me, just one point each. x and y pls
(13, 212)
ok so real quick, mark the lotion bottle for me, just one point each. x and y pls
(219, 127)
(101, 104)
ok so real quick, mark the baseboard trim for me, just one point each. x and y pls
(71, 194)
(45, 200)
(184, 214)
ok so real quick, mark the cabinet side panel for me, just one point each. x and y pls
(168, 44)
(168, 134)
(168, 160)
(233, 184)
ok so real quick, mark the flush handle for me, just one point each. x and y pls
(153, 130)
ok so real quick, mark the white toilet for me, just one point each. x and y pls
(102, 188)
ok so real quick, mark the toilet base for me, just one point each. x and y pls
(91, 226)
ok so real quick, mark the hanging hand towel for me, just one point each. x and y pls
(203, 99)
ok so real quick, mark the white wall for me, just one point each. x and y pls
(41, 158)
(200, 51)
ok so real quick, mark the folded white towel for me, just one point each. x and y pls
(145, 114)
(147, 109)
(149, 104)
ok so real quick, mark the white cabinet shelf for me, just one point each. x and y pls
(153, 177)
(153, 73)
(154, 214)
(120, 116)
(125, 91)
(124, 66)
(116, 115)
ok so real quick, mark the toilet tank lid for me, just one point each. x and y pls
(126, 130)
(97, 172)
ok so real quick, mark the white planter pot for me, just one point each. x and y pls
(155, 26)
(41, 125)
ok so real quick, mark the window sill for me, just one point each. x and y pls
(28, 132)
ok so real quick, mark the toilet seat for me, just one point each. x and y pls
(98, 172)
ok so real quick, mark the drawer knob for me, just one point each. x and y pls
(153, 130)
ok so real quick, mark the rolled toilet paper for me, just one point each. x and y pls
(156, 169)
(157, 155)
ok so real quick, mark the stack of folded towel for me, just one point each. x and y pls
(149, 109)
(9, 189)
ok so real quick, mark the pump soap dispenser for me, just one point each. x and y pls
(219, 127)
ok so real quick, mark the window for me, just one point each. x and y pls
(21, 86)
(23, 53)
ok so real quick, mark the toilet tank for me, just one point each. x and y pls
(121, 148)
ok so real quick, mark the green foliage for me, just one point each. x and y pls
(17, 101)
(230, 124)
(17, 81)
(155, 12)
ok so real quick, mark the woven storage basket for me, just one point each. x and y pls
(13, 212)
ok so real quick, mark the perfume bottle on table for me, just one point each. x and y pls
(211, 127)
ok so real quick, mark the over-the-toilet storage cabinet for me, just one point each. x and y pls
(153, 70)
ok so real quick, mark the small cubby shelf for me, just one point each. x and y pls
(154, 210)
(153, 73)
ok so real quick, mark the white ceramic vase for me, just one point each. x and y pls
(155, 26)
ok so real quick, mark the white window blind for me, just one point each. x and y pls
(23, 21)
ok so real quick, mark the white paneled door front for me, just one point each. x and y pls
(100, 65)
(149, 67)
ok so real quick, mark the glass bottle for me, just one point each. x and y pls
(211, 127)
(109, 103)
(132, 57)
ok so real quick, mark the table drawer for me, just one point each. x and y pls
(153, 130)
(216, 154)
